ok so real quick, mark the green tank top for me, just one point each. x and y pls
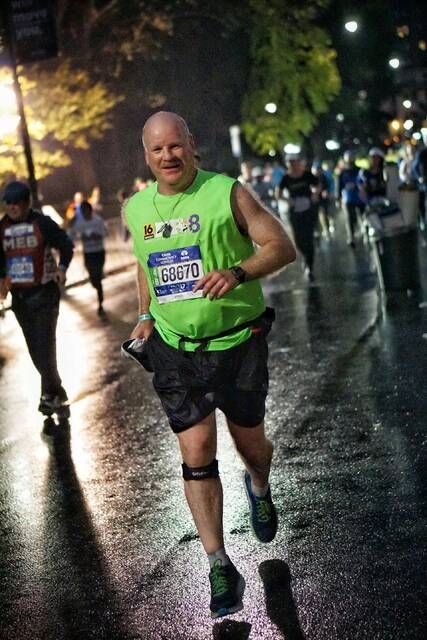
(201, 235)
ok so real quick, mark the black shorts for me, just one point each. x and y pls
(191, 385)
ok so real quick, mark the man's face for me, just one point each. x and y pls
(17, 211)
(169, 152)
(296, 165)
(376, 162)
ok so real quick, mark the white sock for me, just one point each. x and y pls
(259, 492)
(218, 555)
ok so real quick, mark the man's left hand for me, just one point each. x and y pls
(60, 276)
(216, 283)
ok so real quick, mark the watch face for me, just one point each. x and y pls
(239, 274)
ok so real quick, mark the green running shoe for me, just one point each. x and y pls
(263, 514)
(227, 587)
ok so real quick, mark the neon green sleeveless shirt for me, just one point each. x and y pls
(203, 236)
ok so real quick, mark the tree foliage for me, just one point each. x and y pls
(164, 52)
(293, 66)
(108, 34)
(64, 109)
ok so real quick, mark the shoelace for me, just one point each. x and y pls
(263, 511)
(218, 579)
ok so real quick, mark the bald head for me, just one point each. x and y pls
(163, 120)
(169, 151)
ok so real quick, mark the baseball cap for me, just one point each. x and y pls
(349, 155)
(376, 151)
(293, 156)
(16, 191)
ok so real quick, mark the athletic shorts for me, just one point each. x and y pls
(191, 385)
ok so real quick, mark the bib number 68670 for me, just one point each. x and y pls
(180, 272)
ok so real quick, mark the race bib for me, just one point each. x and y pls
(174, 273)
(20, 269)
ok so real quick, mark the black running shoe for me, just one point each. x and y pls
(263, 514)
(58, 404)
(227, 587)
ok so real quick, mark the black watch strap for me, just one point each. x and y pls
(239, 274)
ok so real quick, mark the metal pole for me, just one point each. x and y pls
(25, 137)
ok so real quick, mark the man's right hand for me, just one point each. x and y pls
(143, 329)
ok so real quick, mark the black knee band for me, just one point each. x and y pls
(200, 473)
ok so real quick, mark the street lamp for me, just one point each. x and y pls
(394, 63)
(271, 107)
(407, 104)
(351, 26)
(408, 124)
(332, 145)
(236, 146)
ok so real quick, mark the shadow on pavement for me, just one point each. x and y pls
(83, 602)
(281, 609)
(231, 630)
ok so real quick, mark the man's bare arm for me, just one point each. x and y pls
(275, 248)
(144, 328)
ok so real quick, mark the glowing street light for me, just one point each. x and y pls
(340, 117)
(7, 98)
(8, 124)
(395, 125)
(351, 26)
(271, 107)
(407, 104)
(332, 145)
(9, 118)
(394, 63)
(408, 124)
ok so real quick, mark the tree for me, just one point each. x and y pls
(293, 66)
(108, 34)
(64, 109)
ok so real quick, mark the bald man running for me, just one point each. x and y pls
(203, 316)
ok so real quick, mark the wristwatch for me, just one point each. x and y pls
(239, 273)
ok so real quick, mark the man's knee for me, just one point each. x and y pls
(259, 450)
(200, 473)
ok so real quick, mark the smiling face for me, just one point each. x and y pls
(169, 152)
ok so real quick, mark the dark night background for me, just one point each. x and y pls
(195, 58)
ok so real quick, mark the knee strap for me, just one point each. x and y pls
(200, 473)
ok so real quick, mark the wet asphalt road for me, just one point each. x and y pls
(97, 542)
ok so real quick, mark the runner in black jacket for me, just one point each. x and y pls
(29, 270)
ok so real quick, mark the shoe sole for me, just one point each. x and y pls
(226, 611)
(250, 519)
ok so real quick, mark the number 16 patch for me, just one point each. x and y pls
(174, 273)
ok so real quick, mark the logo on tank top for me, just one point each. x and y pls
(178, 225)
